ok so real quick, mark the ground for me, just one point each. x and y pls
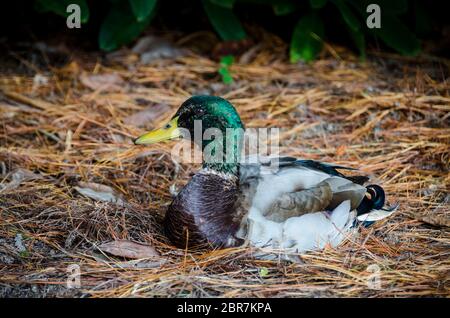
(69, 127)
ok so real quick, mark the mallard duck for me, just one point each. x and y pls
(281, 203)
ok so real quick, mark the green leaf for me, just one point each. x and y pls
(120, 27)
(60, 7)
(306, 40)
(225, 62)
(347, 15)
(284, 8)
(224, 3)
(142, 8)
(397, 36)
(226, 75)
(263, 272)
(224, 22)
(317, 4)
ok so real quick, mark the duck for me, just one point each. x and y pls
(278, 204)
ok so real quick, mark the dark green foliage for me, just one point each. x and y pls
(397, 36)
(122, 25)
(284, 8)
(317, 4)
(394, 7)
(360, 41)
(224, 3)
(354, 26)
(422, 19)
(126, 19)
(142, 8)
(307, 38)
(350, 19)
(60, 6)
(393, 31)
(224, 21)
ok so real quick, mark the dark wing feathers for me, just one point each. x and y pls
(358, 179)
(321, 166)
(249, 170)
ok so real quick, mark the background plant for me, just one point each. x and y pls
(126, 19)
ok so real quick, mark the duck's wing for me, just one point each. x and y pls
(254, 166)
(297, 205)
(300, 202)
(291, 187)
(330, 169)
(326, 196)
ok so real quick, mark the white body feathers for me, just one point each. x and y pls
(308, 231)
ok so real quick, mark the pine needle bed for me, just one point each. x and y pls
(388, 116)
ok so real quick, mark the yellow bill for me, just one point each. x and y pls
(167, 132)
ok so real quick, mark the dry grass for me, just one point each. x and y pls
(389, 117)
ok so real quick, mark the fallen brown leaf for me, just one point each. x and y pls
(17, 177)
(147, 115)
(99, 192)
(128, 249)
(104, 82)
(152, 48)
(436, 220)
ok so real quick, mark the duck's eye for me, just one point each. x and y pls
(167, 126)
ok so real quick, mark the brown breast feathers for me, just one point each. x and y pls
(203, 212)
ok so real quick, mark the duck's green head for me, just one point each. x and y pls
(202, 118)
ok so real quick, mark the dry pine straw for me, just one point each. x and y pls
(389, 117)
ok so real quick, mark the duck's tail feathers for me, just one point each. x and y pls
(371, 208)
